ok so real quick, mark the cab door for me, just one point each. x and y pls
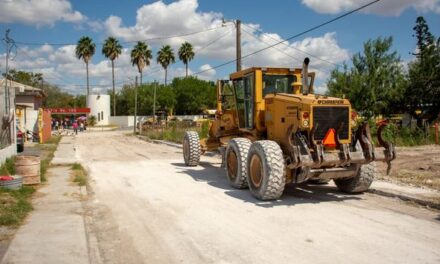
(244, 96)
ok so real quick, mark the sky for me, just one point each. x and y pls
(46, 32)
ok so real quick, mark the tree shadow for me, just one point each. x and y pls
(293, 194)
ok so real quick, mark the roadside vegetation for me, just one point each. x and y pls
(47, 153)
(14, 204)
(175, 130)
(79, 174)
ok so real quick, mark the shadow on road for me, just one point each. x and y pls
(293, 194)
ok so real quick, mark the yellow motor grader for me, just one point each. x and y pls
(272, 130)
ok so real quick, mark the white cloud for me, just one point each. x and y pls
(159, 19)
(39, 12)
(61, 66)
(385, 7)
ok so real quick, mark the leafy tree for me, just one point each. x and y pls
(376, 81)
(141, 56)
(186, 54)
(85, 49)
(423, 92)
(28, 78)
(165, 57)
(193, 95)
(111, 50)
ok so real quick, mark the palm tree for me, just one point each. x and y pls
(141, 56)
(165, 56)
(186, 54)
(85, 49)
(111, 50)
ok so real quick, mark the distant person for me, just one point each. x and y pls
(57, 125)
(75, 127)
(81, 126)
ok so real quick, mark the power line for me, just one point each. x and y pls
(124, 42)
(287, 45)
(292, 37)
(278, 49)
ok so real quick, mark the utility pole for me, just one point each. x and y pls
(135, 105)
(8, 50)
(238, 43)
(154, 103)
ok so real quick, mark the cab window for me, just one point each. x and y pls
(277, 84)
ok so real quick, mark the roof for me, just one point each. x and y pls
(23, 89)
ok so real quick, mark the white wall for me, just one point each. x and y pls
(32, 120)
(125, 121)
(99, 107)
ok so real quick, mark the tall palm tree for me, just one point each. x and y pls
(165, 56)
(111, 50)
(85, 49)
(141, 56)
(186, 54)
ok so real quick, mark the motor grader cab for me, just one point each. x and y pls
(272, 130)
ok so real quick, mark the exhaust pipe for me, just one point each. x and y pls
(305, 76)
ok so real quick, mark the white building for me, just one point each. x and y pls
(99, 105)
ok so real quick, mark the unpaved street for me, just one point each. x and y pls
(147, 207)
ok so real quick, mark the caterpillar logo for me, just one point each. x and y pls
(330, 101)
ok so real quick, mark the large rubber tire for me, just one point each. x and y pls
(266, 170)
(359, 183)
(236, 162)
(191, 148)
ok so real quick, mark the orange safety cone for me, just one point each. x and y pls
(330, 138)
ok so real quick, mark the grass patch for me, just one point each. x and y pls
(8, 167)
(175, 131)
(49, 147)
(15, 205)
(55, 139)
(79, 174)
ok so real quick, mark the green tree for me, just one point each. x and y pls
(85, 49)
(376, 81)
(186, 54)
(28, 78)
(193, 95)
(423, 91)
(165, 57)
(141, 56)
(111, 50)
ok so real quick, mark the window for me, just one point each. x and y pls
(102, 115)
(228, 100)
(244, 100)
(278, 84)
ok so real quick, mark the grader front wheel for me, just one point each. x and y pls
(266, 170)
(191, 148)
(360, 182)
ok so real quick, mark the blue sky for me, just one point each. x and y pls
(264, 22)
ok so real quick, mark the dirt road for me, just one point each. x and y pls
(147, 207)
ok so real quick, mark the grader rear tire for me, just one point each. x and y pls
(266, 170)
(191, 148)
(359, 183)
(236, 162)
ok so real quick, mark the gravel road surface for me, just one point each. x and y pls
(147, 207)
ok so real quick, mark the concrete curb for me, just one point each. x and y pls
(407, 198)
(163, 142)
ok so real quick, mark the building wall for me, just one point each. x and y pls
(8, 141)
(99, 107)
(44, 125)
